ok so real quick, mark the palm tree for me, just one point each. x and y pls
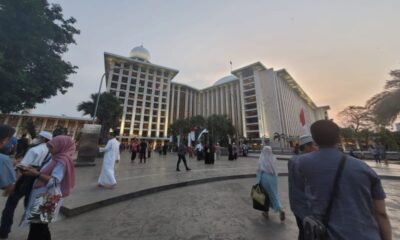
(385, 105)
(108, 113)
(280, 137)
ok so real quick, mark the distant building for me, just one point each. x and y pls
(43, 122)
(397, 127)
(259, 100)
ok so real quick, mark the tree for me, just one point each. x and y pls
(34, 36)
(219, 127)
(108, 113)
(385, 105)
(356, 117)
(280, 137)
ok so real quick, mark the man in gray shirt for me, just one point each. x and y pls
(359, 210)
(297, 198)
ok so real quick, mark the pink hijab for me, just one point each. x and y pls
(63, 149)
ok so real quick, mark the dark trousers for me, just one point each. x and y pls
(133, 156)
(183, 158)
(300, 226)
(9, 209)
(148, 154)
(142, 155)
(39, 231)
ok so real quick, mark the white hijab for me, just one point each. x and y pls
(267, 161)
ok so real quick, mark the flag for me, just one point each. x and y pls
(302, 118)
(202, 132)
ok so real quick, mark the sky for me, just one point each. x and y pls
(340, 52)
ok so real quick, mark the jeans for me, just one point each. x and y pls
(299, 222)
(39, 231)
(9, 209)
(142, 155)
(183, 158)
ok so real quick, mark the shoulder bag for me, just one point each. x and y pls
(315, 229)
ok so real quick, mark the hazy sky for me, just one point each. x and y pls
(340, 52)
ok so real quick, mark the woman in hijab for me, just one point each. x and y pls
(58, 171)
(267, 176)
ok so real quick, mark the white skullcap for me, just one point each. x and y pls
(304, 139)
(46, 135)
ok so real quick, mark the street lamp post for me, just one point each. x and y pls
(98, 97)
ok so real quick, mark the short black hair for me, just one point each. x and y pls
(6, 131)
(325, 133)
(114, 133)
(302, 147)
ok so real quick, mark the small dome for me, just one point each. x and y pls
(225, 79)
(140, 53)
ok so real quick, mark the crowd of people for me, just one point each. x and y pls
(332, 195)
(326, 186)
(43, 166)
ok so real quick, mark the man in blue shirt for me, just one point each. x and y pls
(359, 210)
(297, 198)
(7, 173)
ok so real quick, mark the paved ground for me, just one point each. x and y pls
(220, 210)
(160, 171)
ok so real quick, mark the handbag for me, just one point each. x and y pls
(45, 206)
(315, 229)
(260, 198)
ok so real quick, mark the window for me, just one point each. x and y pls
(146, 111)
(155, 105)
(151, 71)
(113, 85)
(149, 91)
(146, 118)
(148, 98)
(251, 113)
(155, 112)
(252, 127)
(141, 90)
(141, 82)
(247, 81)
(250, 99)
(250, 106)
(153, 134)
(125, 72)
(154, 119)
(144, 133)
(142, 76)
(252, 120)
(135, 67)
(137, 118)
(249, 86)
(115, 78)
(123, 86)
(140, 96)
(250, 93)
(253, 135)
(122, 94)
(149, 84)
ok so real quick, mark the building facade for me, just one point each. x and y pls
(259, 101)
(43, 122)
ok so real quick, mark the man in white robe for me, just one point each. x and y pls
(111, 155)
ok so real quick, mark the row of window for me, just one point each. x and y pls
(135, 68)
(144, 133)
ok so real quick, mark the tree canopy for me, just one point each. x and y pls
(108, 113)
(219, 127)
(33, 37)
(385, 105)
(356, 117)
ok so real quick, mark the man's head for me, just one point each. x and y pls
(325, 133)
(44, 136)
(266, 141)
(113, 134)
(6, 132)
(306, 144)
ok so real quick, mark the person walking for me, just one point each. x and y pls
(22, 146)
(59, 173)
(134, 149)
(235, 151)
(359, 208)
(297, 198)
(143, 151)
(149, 149)
(217, 151)
(111, 156)
(35, 157)
(7, 173)
(267, 176)
(182, 149)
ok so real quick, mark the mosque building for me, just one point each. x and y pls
(259, 101)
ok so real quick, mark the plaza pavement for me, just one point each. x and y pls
(138, 180)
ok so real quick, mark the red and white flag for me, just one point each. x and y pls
(302, 118)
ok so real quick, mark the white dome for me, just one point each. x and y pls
(225, 79)
(140, 53)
